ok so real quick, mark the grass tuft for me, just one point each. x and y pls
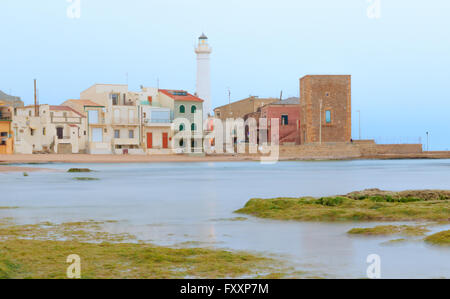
(77, 170)
(416, 205)
(441, 238)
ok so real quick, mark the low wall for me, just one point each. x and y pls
(390, 149)
(347, 150)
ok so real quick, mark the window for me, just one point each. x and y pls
(284, 120)
(32, 132)
(84, 133)
(97, 135)
(116, 133)
(181, 143)
(328, 116)
(130, 134)
(193, 127)
(182, 127)
(327, 94)
(193, 109)
(115, 98)
(43, 131)
(182, 109)
(92, 116)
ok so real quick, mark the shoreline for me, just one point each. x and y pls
(6, 160)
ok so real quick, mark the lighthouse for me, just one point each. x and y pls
(203, 52)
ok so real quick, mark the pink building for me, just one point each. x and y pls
(288, 114)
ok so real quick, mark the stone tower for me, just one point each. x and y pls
(203, 51)
(325, 108)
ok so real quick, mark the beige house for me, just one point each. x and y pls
(48, 128)
(113, 125)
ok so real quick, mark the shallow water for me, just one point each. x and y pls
(173, 203)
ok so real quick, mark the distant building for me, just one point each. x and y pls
(10, 100)
(185, 106)
(115, 127)
(125, 122)
(55, 128)
(241, 108)
(287, 113)
(325, 108)
(6, 133)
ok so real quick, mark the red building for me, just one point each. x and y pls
(288, 114)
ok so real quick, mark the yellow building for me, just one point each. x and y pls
(6, 135)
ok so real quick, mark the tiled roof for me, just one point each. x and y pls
(289, 101)
(180, 95)
(85, 103)
(64, 108)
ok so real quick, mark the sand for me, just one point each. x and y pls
(8, 168)
(84, 158)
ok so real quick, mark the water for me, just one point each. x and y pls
(172, 203)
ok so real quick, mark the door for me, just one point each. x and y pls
(97, 135)
(60, 133)
(149, 140)
(165, 137)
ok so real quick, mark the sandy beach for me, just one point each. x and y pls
(84, 158)
(81, 158)
(8, 168)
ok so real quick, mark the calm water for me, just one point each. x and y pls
(172, 203)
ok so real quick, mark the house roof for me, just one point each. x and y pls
(289, 101)
(85, 103)
(64, 108)
(180, 95)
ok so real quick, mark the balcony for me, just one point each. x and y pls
(65, 120)
(125, 121)
(157, 122)
(126, 141)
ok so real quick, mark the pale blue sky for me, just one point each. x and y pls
(400, 63)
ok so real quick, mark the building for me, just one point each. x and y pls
(10, 100)
(203, 52)
(113, 123)
(287, 113)
(6, 133)
(325, 108)
(240, 109)
(48, 128)
(187, 118)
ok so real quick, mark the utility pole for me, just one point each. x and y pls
(359, 123)
(281, 95)
(427, 142)
(320, 122)
(35, 100)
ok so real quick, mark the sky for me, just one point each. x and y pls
(397, 51)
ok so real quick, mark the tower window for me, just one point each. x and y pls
(181, 127)
(193, 127)
(193, 109)
(328, 116)
(182, 109)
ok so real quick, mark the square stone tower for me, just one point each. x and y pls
(325, 109)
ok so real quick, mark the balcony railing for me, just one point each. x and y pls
(158, 120)
(124, 121)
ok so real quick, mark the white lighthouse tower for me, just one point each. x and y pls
(203, 51)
